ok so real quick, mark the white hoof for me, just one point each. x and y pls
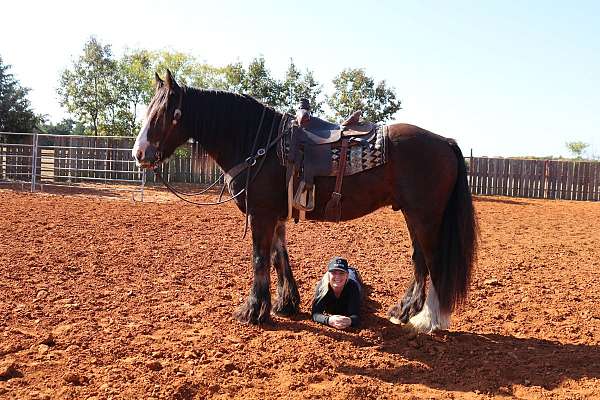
(428, 322)
(430, 319)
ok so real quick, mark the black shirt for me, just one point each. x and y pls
(348, 304)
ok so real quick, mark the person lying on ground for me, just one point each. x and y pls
(338, 296)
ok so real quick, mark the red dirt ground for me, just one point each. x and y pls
(102, 297)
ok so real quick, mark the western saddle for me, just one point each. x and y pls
(311, 154)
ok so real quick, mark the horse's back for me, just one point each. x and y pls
(412, 142)
(401, 131)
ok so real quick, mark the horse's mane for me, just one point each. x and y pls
(222, 115)
(220, 97)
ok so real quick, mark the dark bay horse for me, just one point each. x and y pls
(424, 177)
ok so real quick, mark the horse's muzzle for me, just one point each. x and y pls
(147, 157)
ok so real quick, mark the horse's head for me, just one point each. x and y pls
(162, 130)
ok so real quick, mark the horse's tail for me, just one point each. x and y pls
(457, 247)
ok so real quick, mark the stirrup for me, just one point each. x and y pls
(309, 201)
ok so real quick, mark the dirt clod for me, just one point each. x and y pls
(74, 378)
(8, 370)
(154, 365)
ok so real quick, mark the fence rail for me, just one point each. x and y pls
(73, 160)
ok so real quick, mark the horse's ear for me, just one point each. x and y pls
(159, 82)
(171, 83)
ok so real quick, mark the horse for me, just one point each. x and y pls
(424, 177)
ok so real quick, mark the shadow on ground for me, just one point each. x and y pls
(463, 361)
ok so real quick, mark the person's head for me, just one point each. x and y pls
(337, 269)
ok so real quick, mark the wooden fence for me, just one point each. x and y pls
(15, 161)
(78, 158)
(190, 164)
(109, 158)
(542, 179)
(74, 159)
(70, 159)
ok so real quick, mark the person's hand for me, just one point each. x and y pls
(339, 321)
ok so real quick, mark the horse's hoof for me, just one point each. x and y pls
(287, 310)
(397, 314)
(244, 318)
(252, 315)
(283, 313)
(429, 322)
(252, 320)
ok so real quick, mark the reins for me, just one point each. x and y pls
(234, 172)
(197, 203)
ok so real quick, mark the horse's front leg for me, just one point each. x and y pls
(288, 298)
(257, 307)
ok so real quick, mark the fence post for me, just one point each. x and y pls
(143, 183)
(471, 180)
(34, 151)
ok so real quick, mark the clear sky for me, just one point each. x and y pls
(504, 78)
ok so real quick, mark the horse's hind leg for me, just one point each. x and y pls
(257, 308)
(431, 317)
(414, 298)
(288, 298)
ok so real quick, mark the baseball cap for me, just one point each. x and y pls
(338, 263)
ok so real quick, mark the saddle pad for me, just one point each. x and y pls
(361, 156)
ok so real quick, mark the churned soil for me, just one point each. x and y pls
(104, 297)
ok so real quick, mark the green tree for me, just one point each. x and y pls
(15, 110)
(296, 86)
(183, 66)
(577, 148)
(136, 85)
(117, 119)
(207, 76)
(259, 83)
(255, 80)
(85, 89)
(354, 90)
(67, 126)
(190, 72)
(235, 77)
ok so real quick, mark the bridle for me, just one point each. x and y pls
(176, 118)
(235, 171)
